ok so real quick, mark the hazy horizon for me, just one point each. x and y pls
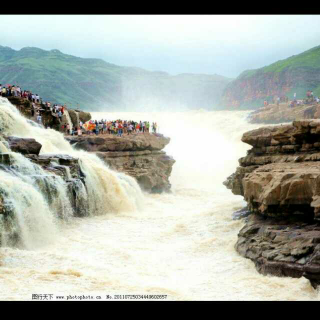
(202, 44)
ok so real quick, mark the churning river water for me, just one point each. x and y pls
(179, 244)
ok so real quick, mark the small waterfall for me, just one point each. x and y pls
(27, 220)
(35, 200)
(78, 119)
(66, 113)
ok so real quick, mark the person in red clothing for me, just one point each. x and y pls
(120, 129)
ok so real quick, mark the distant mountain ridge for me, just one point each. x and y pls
(296, 74)
(93, 84)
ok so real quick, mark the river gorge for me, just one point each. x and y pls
(179, 243)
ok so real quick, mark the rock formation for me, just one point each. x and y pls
(273, 114)
(24, 146)
(138, 155)
(280, 180)
(48, 118)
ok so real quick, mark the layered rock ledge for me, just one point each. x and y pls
(48, 117)
(62, 165)
(275, 114)
(280, 180)
(138, 155)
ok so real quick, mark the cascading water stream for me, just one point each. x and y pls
(66, 113)
(35, 198)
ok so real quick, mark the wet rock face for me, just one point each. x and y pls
(63, 165)
(23, 145)
(56, 167)
(282, 247)
(107, 142)
(280, 180)
(137, 155)
(78, 115)
(151, 169)
(48, 119)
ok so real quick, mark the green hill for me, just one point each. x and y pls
(93, 84)
(296, 74)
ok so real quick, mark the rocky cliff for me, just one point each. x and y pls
(48, 118)
(138, 155)
(296, 74)
(274, 114)
(280, 180)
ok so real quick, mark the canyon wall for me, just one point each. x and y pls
(250, 90)
(280, 180)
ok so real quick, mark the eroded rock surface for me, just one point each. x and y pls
(289, 247)
(280, 180)
(48, 118)
(138, 155)
(108, 142)
(274, 114)
(23, 145)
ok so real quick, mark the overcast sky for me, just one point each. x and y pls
(220, 44)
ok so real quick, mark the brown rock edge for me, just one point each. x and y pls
(280, 180)
(138, 155)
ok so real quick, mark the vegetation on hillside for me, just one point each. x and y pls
(307, 59)
(296, 74)
(93, 84)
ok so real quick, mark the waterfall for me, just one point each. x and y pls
(78, 119)
(66, 113)
(35, 201)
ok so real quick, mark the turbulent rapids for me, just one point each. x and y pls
(27, 189)
(179, 244)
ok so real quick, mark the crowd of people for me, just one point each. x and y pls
(118, 127)
(38, 104)
(310, 99)
(15, 91)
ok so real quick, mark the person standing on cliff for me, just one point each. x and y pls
(4, 91)
(120, 128)
(39, 119)
(13, 91)
(130, 128)
(125, 127)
